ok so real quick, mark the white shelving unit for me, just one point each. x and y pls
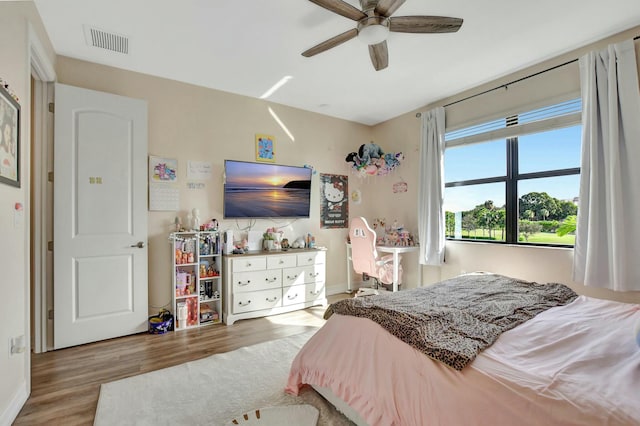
(196, 276)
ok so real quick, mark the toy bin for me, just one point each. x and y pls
(161, 323)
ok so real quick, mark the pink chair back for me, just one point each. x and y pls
(363, 247)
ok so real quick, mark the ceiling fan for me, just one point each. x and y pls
(375, 22)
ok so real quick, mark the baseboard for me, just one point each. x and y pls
(331, 291)
(18, 401)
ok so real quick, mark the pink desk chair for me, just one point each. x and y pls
(364, 256)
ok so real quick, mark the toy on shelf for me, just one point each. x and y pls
(311, 241)
(299, 243)
(394, 235)
(212, 225)
(272, 239)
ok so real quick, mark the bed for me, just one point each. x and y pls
(574, 361)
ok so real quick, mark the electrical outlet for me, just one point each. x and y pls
(16, 345)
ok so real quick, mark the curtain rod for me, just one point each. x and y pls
(506, 85)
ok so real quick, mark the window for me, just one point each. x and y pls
(517, 179)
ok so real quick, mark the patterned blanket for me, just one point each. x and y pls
(454, 320)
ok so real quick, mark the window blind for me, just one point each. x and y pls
(550, 117)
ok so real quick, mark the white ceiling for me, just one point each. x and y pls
(246, 46)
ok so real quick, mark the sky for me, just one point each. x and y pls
(552, 150)
(245, 174)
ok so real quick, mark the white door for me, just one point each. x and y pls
(99, 215)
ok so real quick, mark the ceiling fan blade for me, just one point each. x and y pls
(341, 8)
(379, 55)
(387, 7)
(332, 42)
(424, 24)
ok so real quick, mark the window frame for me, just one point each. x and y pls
(510, 133)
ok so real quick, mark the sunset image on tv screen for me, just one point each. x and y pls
(266, 190)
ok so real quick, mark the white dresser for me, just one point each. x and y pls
(268, 283)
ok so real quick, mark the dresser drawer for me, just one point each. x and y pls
(249, 263)
(258, 300)
(311, 258)
(258, 280)
(284, 261)
(303, 275)
(302, 293)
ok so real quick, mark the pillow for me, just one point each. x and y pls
(637, 332)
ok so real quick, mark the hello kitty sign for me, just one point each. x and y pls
(334, 205)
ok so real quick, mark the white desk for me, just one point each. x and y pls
(386, 249)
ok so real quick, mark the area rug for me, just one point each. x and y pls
(213, 390)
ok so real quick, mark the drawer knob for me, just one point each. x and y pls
(292, 297)
(315, 293)
(272, 300)
(243, 284)
(313, 275)
(244, 304)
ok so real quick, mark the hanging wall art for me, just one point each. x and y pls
(265, 148)
(9, 137)
(334, 201)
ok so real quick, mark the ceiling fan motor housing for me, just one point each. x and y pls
(373, 29)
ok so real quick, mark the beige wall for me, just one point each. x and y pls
(531, 263)
(194, 123)
(17, 20)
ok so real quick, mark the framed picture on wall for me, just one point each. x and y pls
(9, 139)
(265, 148)
(334, 201)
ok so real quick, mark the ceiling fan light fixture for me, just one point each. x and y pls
(373, 30)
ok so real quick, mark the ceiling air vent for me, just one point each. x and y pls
(107, 40)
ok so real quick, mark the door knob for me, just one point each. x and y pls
(139, 244)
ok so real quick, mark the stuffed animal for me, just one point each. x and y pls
(391, 160)
(368, 151)
(353, 157)
(298, 243)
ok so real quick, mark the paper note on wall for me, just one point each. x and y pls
(199, 170)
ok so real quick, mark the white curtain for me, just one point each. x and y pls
(608, 231)
(431, 191)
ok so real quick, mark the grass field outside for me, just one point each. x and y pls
(498, 235)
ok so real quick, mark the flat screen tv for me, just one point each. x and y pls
(264, 190)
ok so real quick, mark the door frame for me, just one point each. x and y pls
(44, 75)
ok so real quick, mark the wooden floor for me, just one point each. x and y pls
(65, 384)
